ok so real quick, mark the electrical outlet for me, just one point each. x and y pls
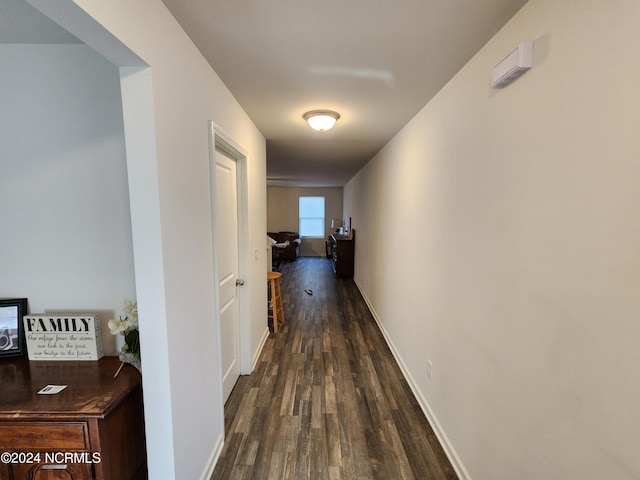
(429, 369)
(255, 254)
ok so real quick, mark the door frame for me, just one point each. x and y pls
(219, 139)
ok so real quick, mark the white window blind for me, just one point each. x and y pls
(311, 213)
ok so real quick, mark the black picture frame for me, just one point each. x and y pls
(12, 341)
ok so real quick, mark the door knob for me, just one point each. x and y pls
(239, 282)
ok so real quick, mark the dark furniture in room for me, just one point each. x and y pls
(91, 430)
(341, 253)
(287, 245)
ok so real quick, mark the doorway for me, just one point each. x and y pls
(227, 170)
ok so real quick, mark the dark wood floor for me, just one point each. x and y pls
(327, 399)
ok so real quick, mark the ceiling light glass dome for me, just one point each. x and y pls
(321, 119)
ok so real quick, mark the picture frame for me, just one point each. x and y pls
(12, 342)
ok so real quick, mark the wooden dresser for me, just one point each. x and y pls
(341, 254)
(93, 429)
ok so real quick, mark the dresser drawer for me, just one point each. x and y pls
(38, 436)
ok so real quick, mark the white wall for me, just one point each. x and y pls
(283, 214)
(520, 269)
(64, 203)
(167, 108)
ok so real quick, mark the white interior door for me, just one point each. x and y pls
(226, 231)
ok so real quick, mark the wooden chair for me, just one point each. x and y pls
(276, 310)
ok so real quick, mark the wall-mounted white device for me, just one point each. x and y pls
(513, 65)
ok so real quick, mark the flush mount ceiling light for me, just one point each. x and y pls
(321, 119)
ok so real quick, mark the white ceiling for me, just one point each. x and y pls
(376, 62)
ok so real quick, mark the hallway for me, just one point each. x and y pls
(327, 399)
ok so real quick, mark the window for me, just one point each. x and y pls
(311, 217)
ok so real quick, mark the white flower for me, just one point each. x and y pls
(119, 326)
(131, 312)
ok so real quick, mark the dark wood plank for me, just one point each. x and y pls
(327, 399)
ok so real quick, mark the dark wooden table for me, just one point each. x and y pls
(93, 429)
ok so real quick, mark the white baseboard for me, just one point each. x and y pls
(258, 352)
(451, 453)
(213, 459)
